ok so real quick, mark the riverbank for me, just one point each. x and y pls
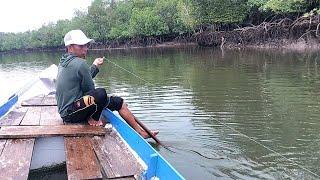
(298, 34)
(279, 44)
(159, 45)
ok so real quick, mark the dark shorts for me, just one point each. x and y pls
(92, 105)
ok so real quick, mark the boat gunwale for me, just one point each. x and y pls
(157, 165)
(8, 105)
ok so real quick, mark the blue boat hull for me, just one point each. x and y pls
(158, 167)
(8, 105)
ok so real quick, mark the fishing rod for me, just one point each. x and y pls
(147, 130)
(169, 148)
(152, 135)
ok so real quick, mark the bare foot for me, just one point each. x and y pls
(145, 135)
(93, 122)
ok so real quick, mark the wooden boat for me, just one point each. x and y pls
(49, 151)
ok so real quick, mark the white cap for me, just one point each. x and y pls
(76, 37)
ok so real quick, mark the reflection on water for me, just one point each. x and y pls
(18, 69)
(251, 114)
(52, 173)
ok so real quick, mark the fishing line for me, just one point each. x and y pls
(193, 151)
(169, 148)
(244, 135)
(129, 72)
(266, 147)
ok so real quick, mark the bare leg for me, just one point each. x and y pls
(126, 114)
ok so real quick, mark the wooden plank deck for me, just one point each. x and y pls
(33, 101)
(2, 144)
(49, 100)
(32, 117)
(17, 132)
(115, 158)
(14, 117)
(81, 159)
(87, 157)
(50, 116)
(15, 155)
(15, 159)
(41, 100)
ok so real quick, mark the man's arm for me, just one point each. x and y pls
(94, 69)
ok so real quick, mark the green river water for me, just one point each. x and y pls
(240, 114)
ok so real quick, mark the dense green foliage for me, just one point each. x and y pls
(220, 11)
(124, 19)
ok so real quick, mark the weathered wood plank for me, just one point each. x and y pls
(32, 117)
(41, 100)
(49, 100)
(80, 159)
(114, 157)
(14, 117)
(32, 101)
(14, 132)
(2, 144)
(50, 116)
(104, 161)
(15, 159)
(127, 178)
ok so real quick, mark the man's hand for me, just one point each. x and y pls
(98, 62)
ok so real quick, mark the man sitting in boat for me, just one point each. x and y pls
(77, 98)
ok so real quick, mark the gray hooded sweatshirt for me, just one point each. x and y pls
(74, 80)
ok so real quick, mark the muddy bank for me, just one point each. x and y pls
(167, 40)
(159, 45)
(296, 34)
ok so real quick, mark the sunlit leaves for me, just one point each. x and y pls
(286, 6)
(219, 11)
